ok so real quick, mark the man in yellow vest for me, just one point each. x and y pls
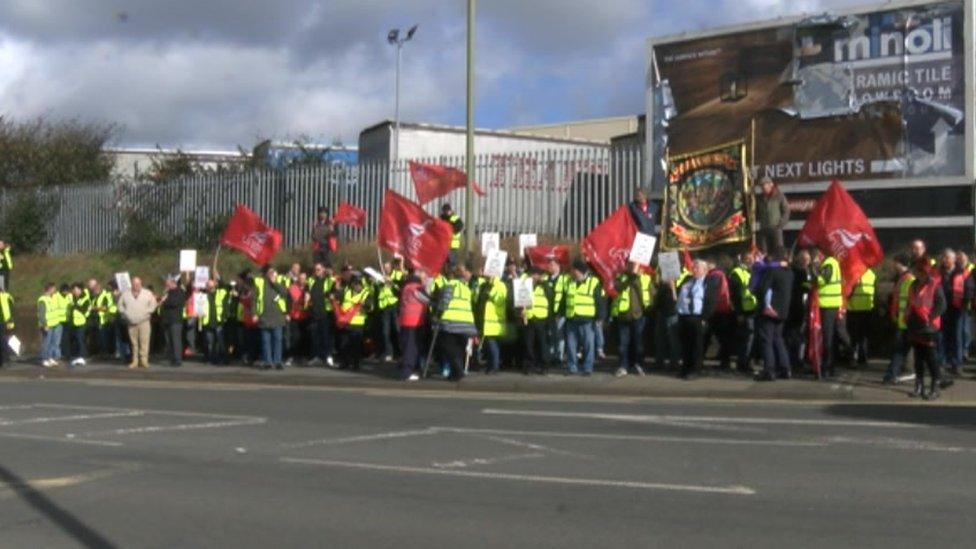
(6, 321)
(454, 220)
(104, 313)
(627, 311)
(492, 301)
(49, 322)
(536, 321)
(860, 309)
(582, 298)
(455, 319)
(559, 282)
(387, 298)
(6, 265)
(829, 288)
(744, 305)
(320, 292)
(270, 307)
(214, 319)
(897, 313)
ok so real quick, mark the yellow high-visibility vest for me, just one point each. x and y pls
(862, 298)
(829, 290)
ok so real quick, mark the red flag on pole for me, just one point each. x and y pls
(607, 247)
(344, 316)
(248, 234)
(347, 214)
(406, 229)
(432, 181)
(540, 256)
(814, 332)
(838, 226)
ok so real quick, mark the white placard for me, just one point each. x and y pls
(495, 263)
(375, 275)
(527, 241)
(489, 242)
(643, 249)
(201, 276)
(123, 281)
(200, 304)
(669, 265)
(188, 261)
(522, 287)
(14, 344)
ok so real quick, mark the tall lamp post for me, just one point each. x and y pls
(395, 39)
(469, 149)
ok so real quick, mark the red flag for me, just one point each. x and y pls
(814, 332)
(432, 181)
(247, 233)
(406, 229)
(540, 256)
(607, 247)
(838, 226)
(347, 214)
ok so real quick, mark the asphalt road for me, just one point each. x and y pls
(156, 464)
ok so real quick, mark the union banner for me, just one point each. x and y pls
(707, 199)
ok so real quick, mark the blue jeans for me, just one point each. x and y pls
(106, 338)
(494, 353)
(78, 349)
(598, 339)
(557, 339)
(580, 332)
(122, 347)
(51, 345)
(271, 340)
(216, 346)
(967, 332)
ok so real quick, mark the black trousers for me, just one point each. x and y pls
(692, 333)
(858, 324)
(174, 342)
(451, 348)
(722, 326)
(352, 346)
(926, 358)
(537, 344)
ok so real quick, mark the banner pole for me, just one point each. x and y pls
(752, 184)
(216, 257)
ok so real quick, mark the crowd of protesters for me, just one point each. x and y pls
(756, 311)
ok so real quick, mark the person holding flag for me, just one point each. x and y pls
(457, 228)
(829, 287)
(352, 311)
(325, 241)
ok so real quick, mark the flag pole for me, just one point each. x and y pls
(752, 184)
(216, 257)
(469, 149)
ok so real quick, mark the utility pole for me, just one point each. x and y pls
(397, 41)
(469, 233)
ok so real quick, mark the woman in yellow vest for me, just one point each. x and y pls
(627, 311)
(829, 289)
(860, 307)
(6, 319)
(49, 321)
(355, 297)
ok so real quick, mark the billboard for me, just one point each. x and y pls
(871, 96)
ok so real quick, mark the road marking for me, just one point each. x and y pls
(643, 438)
(604, 483)
(462, 464)
(7, 490)
(181, 427)
(76, 417)
(23, 407)
(59, 439)
(705, 419)
(361, 438)
(147, 411)
(530, 446)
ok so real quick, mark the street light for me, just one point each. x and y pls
(394, 38)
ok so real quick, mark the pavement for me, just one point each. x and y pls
(862, 384)
(94, 462)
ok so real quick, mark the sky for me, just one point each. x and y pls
(221, 73)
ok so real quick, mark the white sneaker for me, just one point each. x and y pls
(76, 362)
(413, 377)
(48, 363)
(388, 358)
(621, 372)
(330, 362)
(638, 370)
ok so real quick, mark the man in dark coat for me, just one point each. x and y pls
(775, 292)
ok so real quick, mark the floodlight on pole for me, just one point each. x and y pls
(394, 38)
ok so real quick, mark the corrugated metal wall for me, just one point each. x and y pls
(555, 193)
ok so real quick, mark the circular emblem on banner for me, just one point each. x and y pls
(705, 197)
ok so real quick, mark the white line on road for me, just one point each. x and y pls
(530, 446)
(361, 438)
(181, 427)
(462, 464)
(640, 438)
(146, 411)
(704, 419)
(728, 490)
(76, 417)
(23, 407)
(59, 439)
